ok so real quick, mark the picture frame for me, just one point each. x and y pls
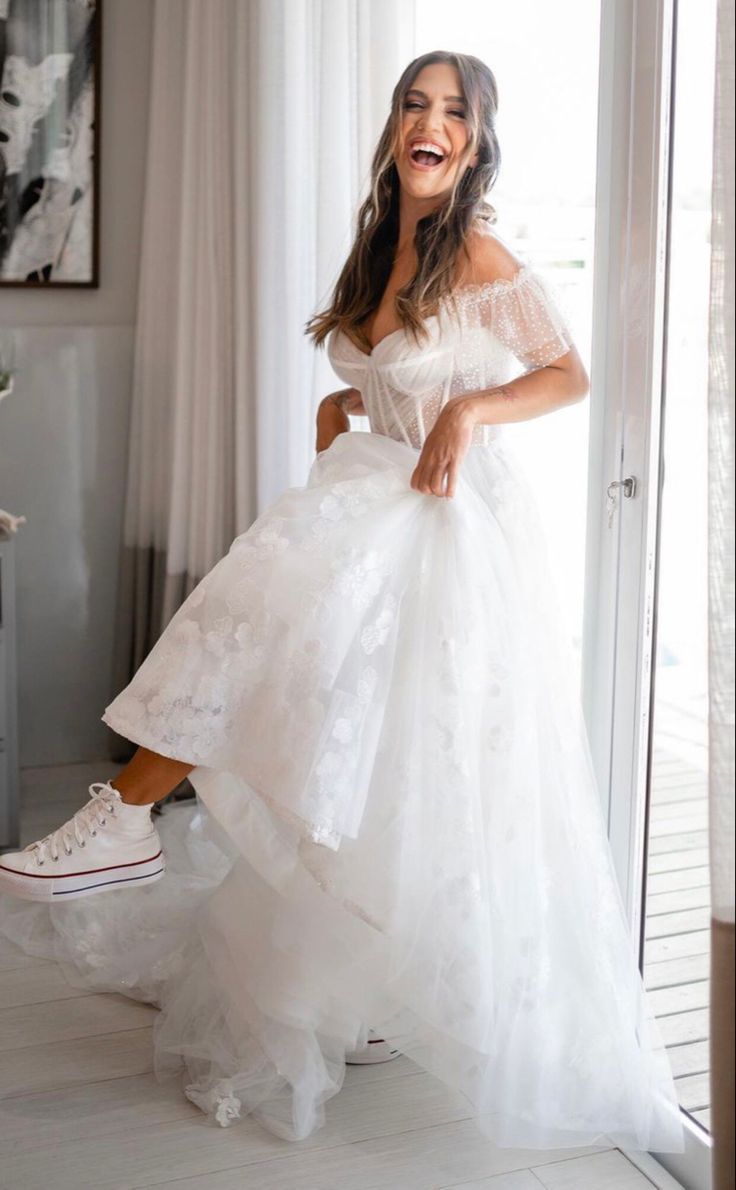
(50, 73)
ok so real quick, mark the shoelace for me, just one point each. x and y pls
(85, 820)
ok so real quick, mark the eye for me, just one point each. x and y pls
(414, 103)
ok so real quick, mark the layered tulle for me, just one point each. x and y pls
(397, 823)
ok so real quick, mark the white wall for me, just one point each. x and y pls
(63, 432)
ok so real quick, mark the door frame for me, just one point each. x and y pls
(627, 374)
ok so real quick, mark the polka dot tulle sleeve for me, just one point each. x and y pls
(527, 316)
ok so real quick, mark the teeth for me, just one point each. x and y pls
(429, 147)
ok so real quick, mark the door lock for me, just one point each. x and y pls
(628, 487)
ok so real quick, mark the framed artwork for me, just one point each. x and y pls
(49, 142)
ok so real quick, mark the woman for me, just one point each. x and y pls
(398, 835)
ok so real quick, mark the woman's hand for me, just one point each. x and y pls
(444, 449)
(332, 415)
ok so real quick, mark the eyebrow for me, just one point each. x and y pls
(448, 98)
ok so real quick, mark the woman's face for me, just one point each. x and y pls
(433, 133)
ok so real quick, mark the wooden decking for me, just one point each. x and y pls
(677, 946)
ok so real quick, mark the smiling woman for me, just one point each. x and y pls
(372, 696)
(419, 213)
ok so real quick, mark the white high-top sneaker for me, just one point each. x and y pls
(376, 1049)
(107, 844)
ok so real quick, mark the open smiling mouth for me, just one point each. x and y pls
(424, 155)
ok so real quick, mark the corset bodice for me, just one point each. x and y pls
(475, 342)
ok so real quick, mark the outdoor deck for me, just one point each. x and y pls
(677, 950)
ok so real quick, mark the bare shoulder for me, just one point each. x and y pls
(486, 258)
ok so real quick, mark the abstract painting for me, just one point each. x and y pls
(49, 141)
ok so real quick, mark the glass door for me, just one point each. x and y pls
(676, 944)
(645, 640)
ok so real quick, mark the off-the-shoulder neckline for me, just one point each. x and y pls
(485, 287)
(478, 288)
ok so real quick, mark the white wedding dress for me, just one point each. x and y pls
(397, 824)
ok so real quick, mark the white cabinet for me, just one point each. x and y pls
(9, 783)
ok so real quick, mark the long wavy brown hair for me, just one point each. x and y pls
(439, 236)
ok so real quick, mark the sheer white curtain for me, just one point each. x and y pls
(721, 395)
(263, 119)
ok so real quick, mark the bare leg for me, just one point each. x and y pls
(149, 777)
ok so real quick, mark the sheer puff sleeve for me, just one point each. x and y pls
(526, 314)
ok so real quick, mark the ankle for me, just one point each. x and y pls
(134, 797)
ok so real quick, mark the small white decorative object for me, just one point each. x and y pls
(9, 523)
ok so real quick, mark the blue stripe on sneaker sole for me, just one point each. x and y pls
(105, 883)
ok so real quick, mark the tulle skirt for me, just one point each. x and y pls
(397, 823)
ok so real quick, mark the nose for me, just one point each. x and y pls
(431, 119)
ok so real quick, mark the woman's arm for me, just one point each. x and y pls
(348, 399)
(542, 391)
(332, 415)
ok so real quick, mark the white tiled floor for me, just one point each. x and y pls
(80, 1107)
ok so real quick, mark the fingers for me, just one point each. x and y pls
(437, 480)
(435, 477)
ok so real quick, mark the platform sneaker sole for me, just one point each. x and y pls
(374, 1051)
(81, 884)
